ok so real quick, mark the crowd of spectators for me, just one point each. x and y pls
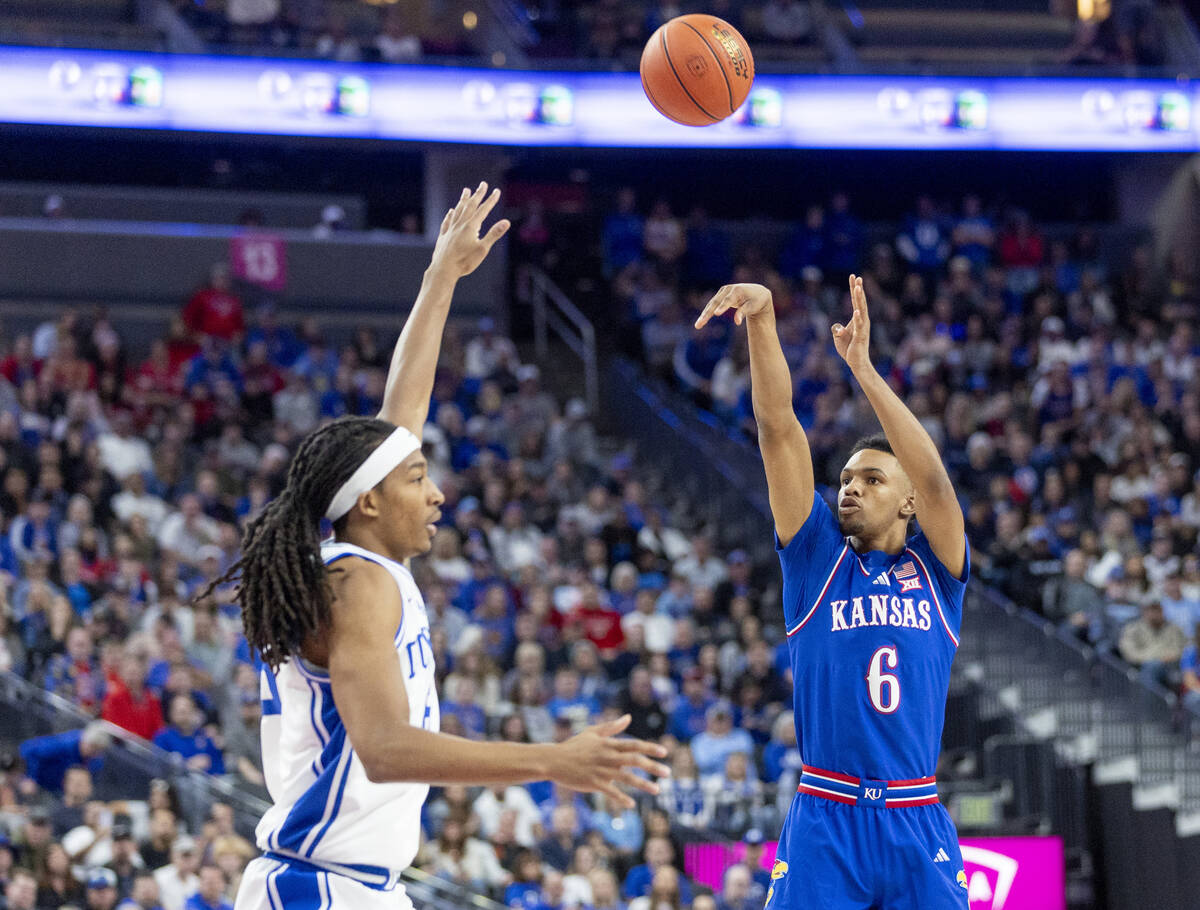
(564, 586)
(1062, 386)
(612, 31)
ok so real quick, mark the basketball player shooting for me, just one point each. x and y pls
(350, 709)
(872, 620)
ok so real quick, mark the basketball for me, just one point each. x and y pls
(697, 69)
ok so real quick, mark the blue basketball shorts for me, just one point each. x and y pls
(865, 851)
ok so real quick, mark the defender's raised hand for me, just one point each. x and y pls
(745, 300)
(459, 247)
(596, 761)
(853, 341)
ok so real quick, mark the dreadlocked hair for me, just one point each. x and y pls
(283, 588)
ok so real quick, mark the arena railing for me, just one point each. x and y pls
(552, 309)
(130, 763)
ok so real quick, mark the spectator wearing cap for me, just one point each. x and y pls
(47, 758)
(126, 861)
(178, 881)
(185, 738)
(760, 877)
(210, 893)
(34, 532)
(37, 834)
(719, 740)
(101, 889)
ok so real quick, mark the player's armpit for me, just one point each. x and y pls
(788, 464)
(364, 668)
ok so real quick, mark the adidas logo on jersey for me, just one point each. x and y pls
(882, 579)
(941, 856)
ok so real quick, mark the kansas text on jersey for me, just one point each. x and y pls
(871, 637)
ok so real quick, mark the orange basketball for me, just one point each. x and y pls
(697, 69)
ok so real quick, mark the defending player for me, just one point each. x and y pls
(872, 622)
(350, 710)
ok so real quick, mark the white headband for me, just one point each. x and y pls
(378, 465)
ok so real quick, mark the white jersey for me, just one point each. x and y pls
(325, 809)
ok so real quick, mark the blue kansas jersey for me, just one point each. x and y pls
(871, 638)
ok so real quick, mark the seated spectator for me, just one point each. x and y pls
(101, 889)
(494, 802)
(1070, 599)
(787, 21)
(525, 891)
(605, 893)
(184, 737)
(465, 860)
(688, 719)
(649, 720)
(178, 880)
(126, 862)
(666, 889)
(131, 704)
(1189, 664)
(719, 740)
(77, 789)
(164, 829)
(557, 847)
(620, 829)
(58, 885)
(736, 889)
(143, 895)
(214, 310)
(683, 795)
(659, 854)
(1153, 645)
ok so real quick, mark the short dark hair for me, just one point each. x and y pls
(876, 441)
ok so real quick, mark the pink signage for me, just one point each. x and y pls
(259, 259)
(1003, 873)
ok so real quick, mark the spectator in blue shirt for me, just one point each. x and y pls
(622, 235)
(462, 705)
(687, 720)
(568, 702)
(47, 758)
(185, 738)
(1189, 665)
(719, 740)
(658, 852)
(525, 893)
(211, 893)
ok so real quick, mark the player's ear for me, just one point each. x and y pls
(369, 503)
(908, 505)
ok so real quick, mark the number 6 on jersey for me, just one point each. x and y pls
(877, 680)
